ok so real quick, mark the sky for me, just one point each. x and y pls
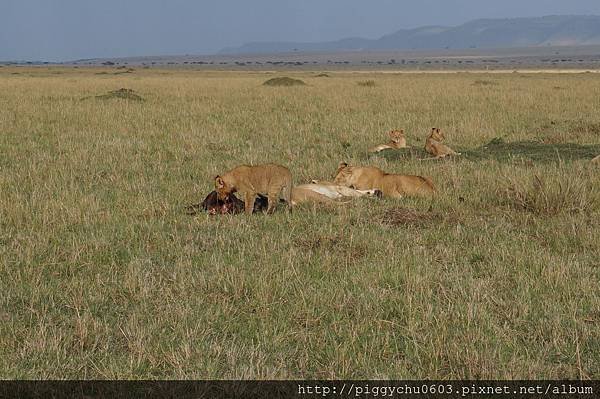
(64, 30)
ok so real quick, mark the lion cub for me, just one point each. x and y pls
(269, 179)
(392, 185)
(434, 145)
(397, 141)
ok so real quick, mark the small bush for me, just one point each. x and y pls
(284, 81)
(123, 94)
(367, 83)
(485, 83)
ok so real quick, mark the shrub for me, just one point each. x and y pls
(367, 83)
(284, 81)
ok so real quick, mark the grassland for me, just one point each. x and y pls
(103, 275)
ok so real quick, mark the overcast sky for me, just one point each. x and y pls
(59, 30)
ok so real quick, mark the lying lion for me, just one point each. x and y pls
(391, 185)
(434, 145)
(269, 179)
(303, 194)
(336, 191)
(327, 192)
(397, 141)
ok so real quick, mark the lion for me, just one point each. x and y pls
(596, 160)
(327, 193)
(302, 194)
(391, 185)
(270, 179)
(434, 145)
(336, 191)
(397, 141)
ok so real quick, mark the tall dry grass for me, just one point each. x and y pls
(105, 276)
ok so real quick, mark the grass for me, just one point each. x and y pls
(551, 194)
(104, 275)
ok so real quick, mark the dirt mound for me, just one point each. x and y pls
(284, 81)
(501, 150)
(485, 83)
(123, 94)
(367, 83)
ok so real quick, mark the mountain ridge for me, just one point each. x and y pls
(551, 30)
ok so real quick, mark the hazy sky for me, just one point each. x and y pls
(55, 30)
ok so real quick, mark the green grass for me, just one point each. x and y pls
(104, 275)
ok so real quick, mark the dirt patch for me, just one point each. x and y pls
(284, 81)
(122, 94)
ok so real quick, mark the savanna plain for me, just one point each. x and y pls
(105, 275)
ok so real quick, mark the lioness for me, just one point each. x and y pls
(326, 193)
(301, 194)
(434, 145)
(596, 159)
(397, 141)
(269, 179)
(336, 191)
(392, 185)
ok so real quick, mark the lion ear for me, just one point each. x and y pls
(219, 182)
(341, 167)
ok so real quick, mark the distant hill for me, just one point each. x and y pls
(482, 33)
